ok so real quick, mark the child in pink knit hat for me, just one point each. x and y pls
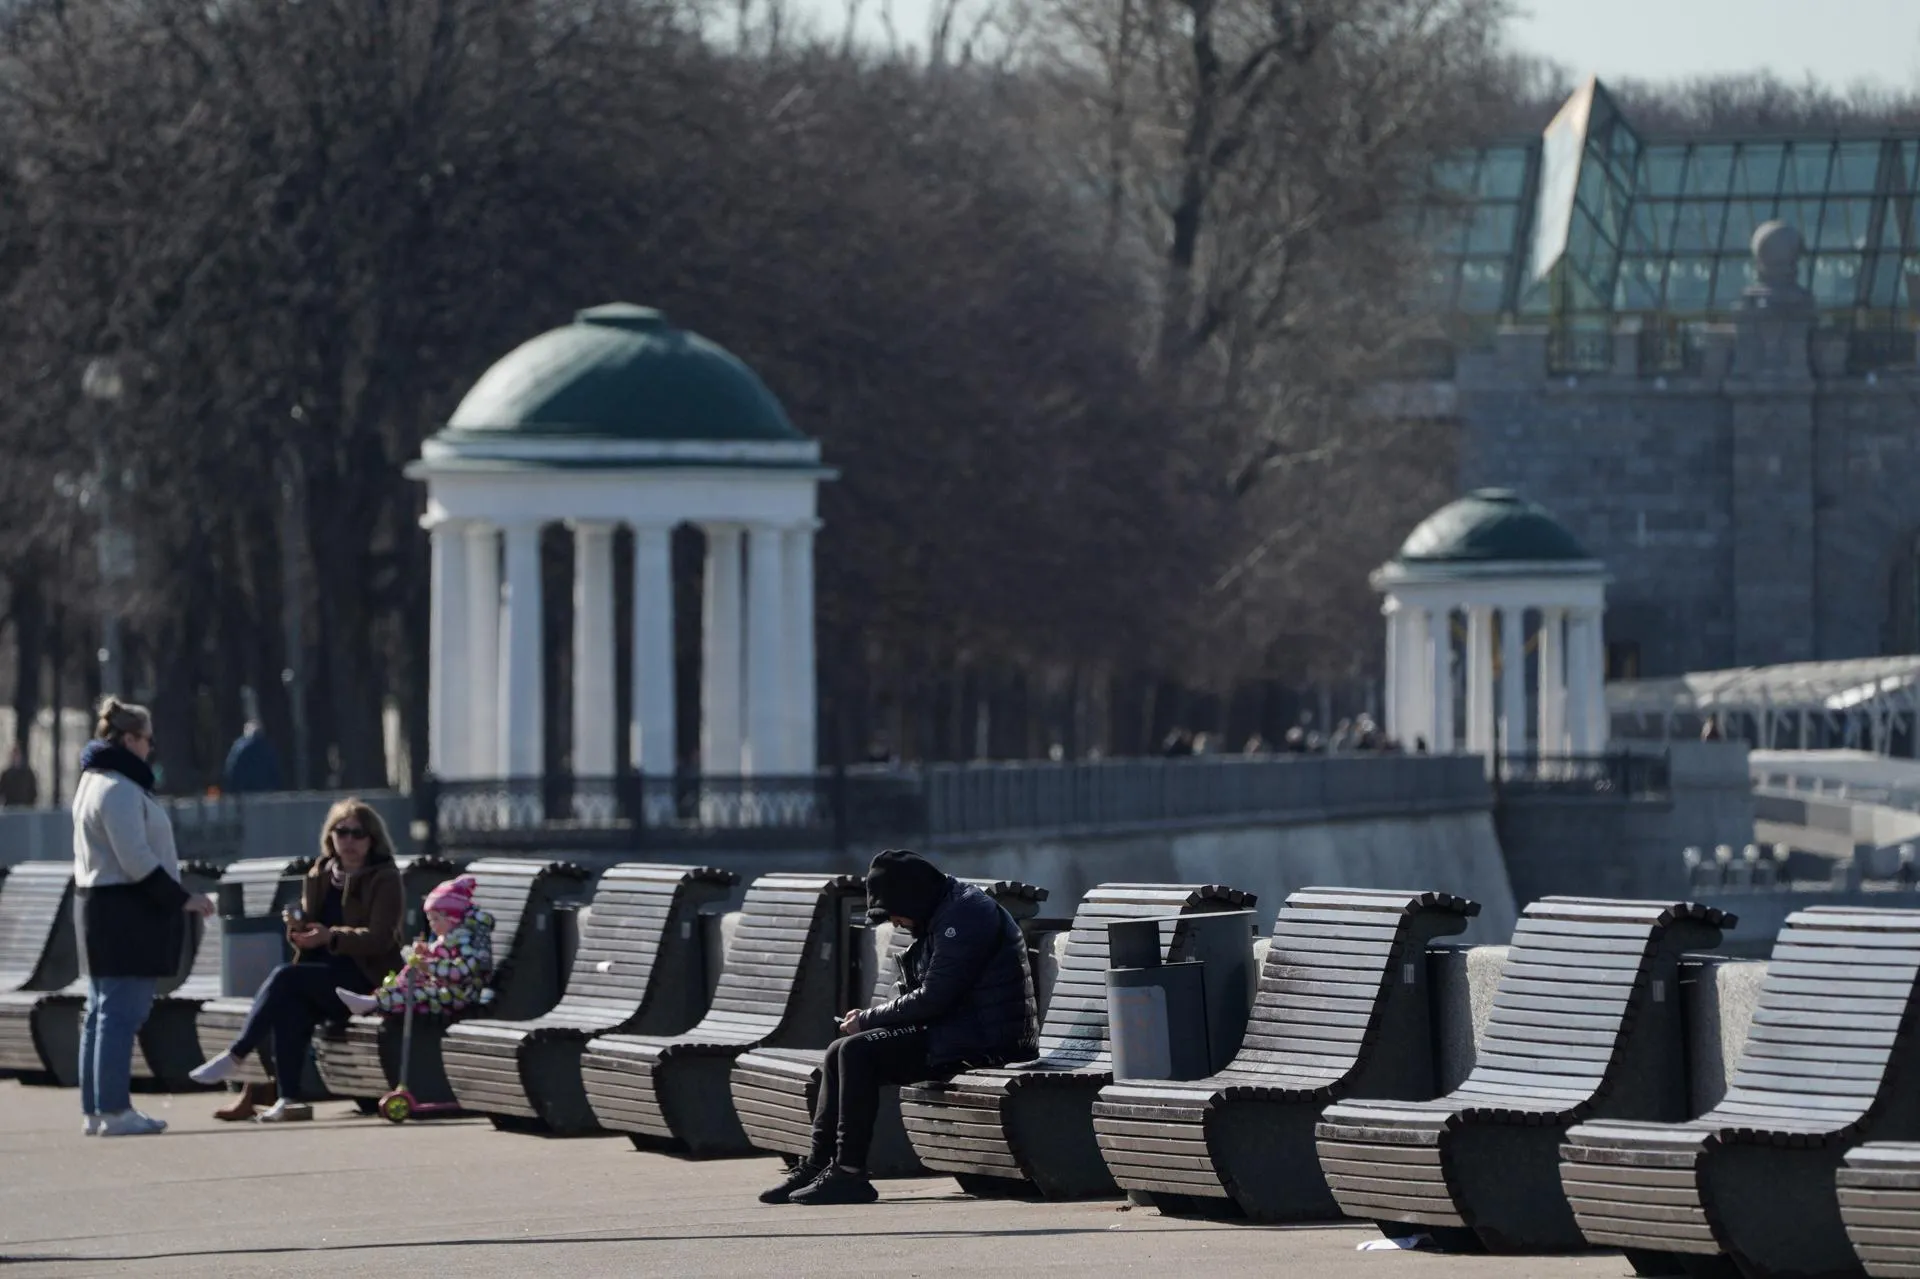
(447, 974)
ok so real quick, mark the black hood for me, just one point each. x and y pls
(904, 883)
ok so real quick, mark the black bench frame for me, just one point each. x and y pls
(39, 946)
(780, 982)
(1829, 1061)
(1028, 1127)
(645, 925)
(1344, 1009)
(1585, 1022)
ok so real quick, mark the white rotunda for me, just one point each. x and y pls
(620, 418)
(1486, 592)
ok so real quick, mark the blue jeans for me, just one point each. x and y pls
(116, 1009)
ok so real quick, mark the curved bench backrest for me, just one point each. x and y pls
(633, 906)
(1073, 1035)
(200, 954)
(420, 874)
(1329, 968)
(37, 949)
(1578, 971)
(1837, 997)
(519, 892)
(782, 917)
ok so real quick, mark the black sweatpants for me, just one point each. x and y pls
(856, 1068)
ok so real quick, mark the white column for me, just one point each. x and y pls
(1416, 674)
(720, 667)
(1513, 682)
(1579, 705)
(766, 750)
(1396, 666)
(594, 742)
(1595, 691)
(1480, 680)
(483, 651)
(521, 753)
(800, 679)
(1440, 650)
(449, 681)
(654, 746)
(1553, 682)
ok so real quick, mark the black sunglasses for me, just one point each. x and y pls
(349, 832)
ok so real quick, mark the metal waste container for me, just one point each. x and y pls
(1182, 1019)
(251, 946)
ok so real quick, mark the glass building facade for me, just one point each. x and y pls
(1590, 223)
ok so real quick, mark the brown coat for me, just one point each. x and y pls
(371, 909)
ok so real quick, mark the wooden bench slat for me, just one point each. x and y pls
(1579, 979)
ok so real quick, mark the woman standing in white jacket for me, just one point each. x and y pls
(132, 911)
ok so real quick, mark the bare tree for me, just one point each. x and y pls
(1255, 162)
(304, 230)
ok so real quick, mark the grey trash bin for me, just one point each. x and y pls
(1182, 1019)
(251, 946)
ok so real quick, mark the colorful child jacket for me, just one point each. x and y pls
(449, 975)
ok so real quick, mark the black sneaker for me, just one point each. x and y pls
(836, 1186)
(804, 1174)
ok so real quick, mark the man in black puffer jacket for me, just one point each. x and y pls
(965, 1001)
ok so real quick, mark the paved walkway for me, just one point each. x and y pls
(347, 1196)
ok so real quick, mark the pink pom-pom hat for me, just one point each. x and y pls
(455, 897)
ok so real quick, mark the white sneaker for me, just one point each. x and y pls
(216, 1069)
(355, 1001)
(285, 1112)
(92, 1127)
(131, 1123)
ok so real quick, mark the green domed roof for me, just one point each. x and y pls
(623, 372)
(1490, 526)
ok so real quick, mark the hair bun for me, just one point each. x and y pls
(117, 718)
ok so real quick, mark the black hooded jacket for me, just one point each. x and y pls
(965, 977)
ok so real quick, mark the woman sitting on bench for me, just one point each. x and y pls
(347, 930)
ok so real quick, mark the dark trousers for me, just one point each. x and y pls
(856, 1068)
(293, 1000)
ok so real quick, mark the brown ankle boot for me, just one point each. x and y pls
(251, 1098)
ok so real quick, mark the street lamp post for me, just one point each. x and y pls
(101, 383)
(292, 497)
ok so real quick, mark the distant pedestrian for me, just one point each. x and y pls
(1710, 731)
(132, 910)
(252, 763)
(1342, 736)
(1177, 745)
(1296, 740)
(19, 788)
(1256, 745)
